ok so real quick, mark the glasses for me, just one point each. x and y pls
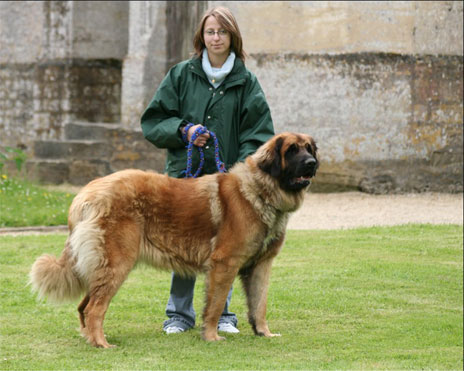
(221, 33)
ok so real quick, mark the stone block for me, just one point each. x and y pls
(48, 171)
(72, 150)
(443, 173)
(81, 171)
(90, 131)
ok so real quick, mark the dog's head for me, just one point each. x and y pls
(291, 159)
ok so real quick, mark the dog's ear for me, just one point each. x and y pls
(315, 153)
(273, 165)
(314, 147)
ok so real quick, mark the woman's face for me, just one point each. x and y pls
(217, 39)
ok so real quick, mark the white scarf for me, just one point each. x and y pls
(217, 75)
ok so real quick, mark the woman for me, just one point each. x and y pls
(213, 89)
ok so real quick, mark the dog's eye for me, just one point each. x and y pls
(292, 149)
(309, 148)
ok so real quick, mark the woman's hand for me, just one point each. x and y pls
(201, 140)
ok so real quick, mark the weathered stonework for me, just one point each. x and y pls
(16, 104)
(91, 150)
(379, 84)
(59, 61)
(378, 118)
(37, 99)
(161, 35)
(350, 27)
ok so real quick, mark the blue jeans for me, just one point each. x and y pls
(180, 305)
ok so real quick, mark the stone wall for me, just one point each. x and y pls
(383, 122)
(378, 84)
(59, 61)
(90, 150)
(37, 99)
(161, 35)
(347, 27)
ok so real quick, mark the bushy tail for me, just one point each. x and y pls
(54, 278)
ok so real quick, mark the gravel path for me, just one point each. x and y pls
(350, 210)
(355, 209)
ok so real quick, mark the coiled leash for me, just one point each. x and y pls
(199, 131)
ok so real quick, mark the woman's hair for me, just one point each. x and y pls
(227, 21)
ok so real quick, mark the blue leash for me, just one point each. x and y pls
(201, 130)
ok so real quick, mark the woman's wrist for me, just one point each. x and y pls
(184, 131)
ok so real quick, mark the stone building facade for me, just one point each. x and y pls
(378, 84)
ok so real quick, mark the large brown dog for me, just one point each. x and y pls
(221, 225)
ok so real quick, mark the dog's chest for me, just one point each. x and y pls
(274, 228)
(278, 226)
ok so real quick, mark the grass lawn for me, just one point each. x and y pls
(23, 203)
(372, 298)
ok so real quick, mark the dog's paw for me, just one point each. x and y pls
(267, 334)
(213, 337)
(104, 345)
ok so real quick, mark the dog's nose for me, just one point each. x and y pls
(311, 164)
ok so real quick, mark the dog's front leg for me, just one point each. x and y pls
(256, 283)
(218, 283)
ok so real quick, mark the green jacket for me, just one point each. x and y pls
(237, 112)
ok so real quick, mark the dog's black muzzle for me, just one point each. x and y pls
(300, 172)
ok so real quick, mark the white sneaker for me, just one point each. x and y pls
(228, 327)
(173, 330)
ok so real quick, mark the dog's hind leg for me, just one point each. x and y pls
(121, 249)
(95, 313)
(100, 295)
(81, 309)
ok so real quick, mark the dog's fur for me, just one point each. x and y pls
(222, 225)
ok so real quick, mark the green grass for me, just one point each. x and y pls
(372, 298)
(23, 203)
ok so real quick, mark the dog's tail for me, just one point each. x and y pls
(54, 278)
